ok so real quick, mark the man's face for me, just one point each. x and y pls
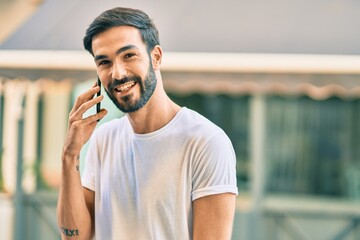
(124, 67)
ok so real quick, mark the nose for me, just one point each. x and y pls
(118, 71)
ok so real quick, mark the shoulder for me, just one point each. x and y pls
(200, 133)
(194, 123)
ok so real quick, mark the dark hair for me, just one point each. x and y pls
(123, 17)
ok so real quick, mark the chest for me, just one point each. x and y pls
(145, 174)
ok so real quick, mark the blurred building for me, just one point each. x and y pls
(280, 77)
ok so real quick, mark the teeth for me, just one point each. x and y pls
(125, 87)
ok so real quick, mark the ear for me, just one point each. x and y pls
(156, 57)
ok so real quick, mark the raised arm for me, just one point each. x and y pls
(75, 204)
(213, 217)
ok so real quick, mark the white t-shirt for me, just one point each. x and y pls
(145, 183)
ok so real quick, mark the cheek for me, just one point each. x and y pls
(105, 76)
(139, 67)
(104, 81)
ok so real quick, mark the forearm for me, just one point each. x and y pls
(75, 206)
(74, 218)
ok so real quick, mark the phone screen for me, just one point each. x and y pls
(98, 106)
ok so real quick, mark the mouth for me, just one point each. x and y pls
(124, 87)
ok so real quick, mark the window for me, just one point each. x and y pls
(312, 147)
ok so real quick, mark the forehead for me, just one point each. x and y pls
(117, 37)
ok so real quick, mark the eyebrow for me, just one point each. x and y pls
(120, 50)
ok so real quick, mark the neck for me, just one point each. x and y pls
(156, 113)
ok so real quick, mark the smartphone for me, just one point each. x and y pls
(98, 106)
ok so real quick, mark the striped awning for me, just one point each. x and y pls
(316, 76)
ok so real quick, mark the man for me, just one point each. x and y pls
(160, 172)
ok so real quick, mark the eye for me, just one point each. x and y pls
(129, 55)
(104, 62)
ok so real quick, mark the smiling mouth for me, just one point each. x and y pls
(124, 87)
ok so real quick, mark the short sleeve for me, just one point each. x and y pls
(88, 176)
(214, 168)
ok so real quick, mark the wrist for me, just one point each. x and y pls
(70, 159)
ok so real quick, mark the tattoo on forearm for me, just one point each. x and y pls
(70, 232)
(77, 166)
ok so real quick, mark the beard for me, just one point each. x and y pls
(147, 87)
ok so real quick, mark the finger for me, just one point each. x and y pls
(90, 121)
(94, 118)
(86, 96)
(84, 107)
